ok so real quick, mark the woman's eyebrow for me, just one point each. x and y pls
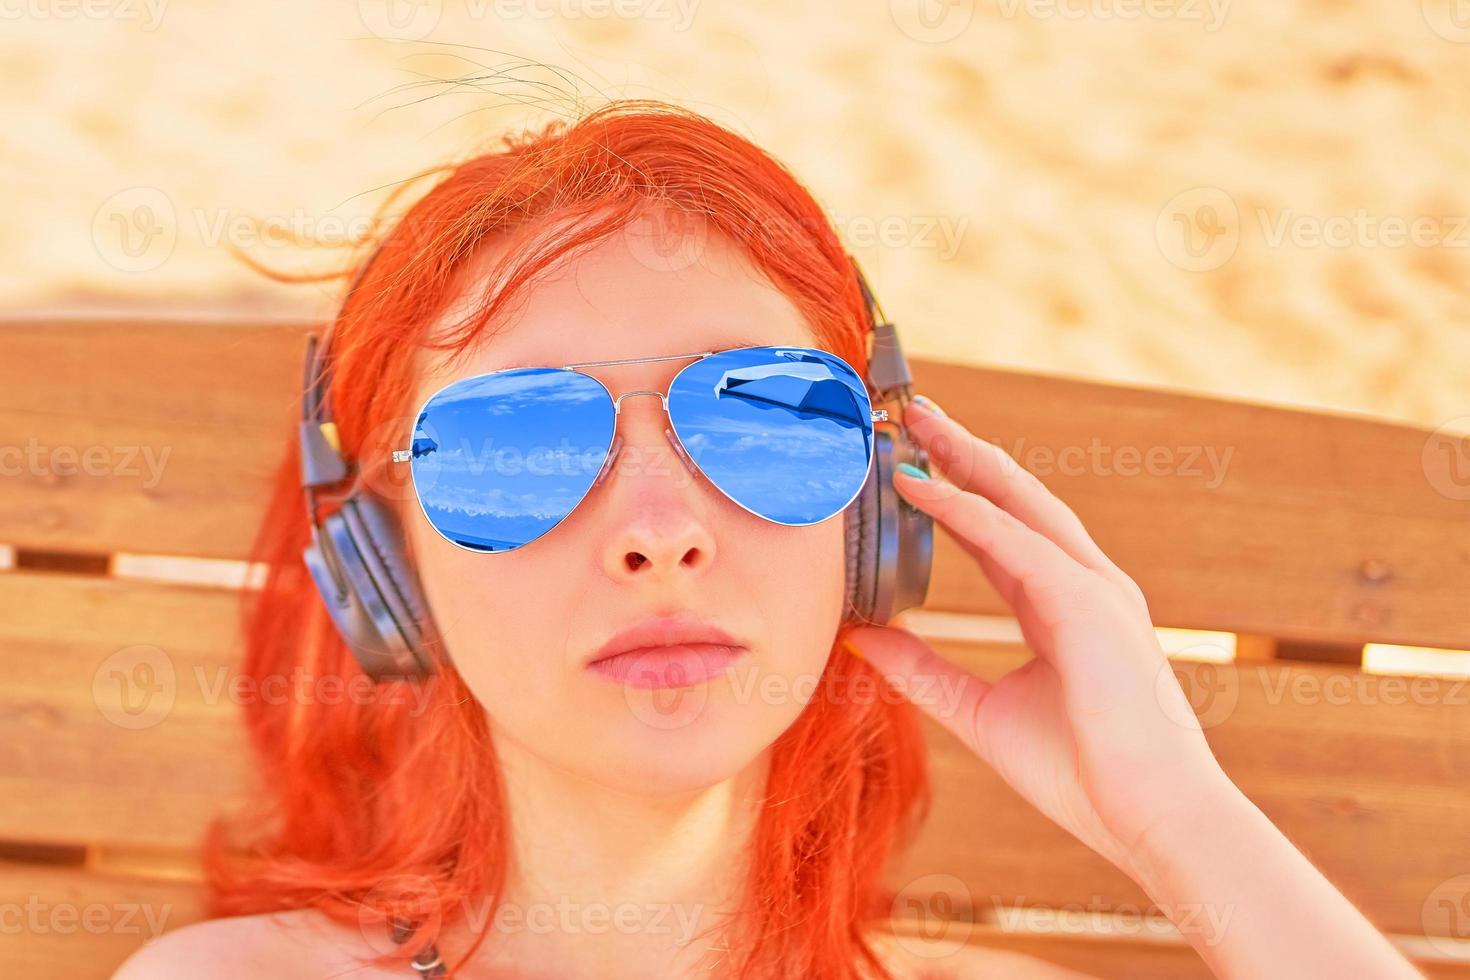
(737, 345)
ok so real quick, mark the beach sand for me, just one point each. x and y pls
(1263, 200)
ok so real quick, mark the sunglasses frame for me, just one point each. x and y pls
(406, 455)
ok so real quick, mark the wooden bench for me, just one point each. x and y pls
(1299, 536)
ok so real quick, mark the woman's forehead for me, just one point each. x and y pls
(610, 303)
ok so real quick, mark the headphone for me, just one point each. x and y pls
(359, 564)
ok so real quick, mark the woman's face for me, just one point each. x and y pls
(652, 540)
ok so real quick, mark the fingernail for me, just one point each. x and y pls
(929, 404)
(847, 645)
(910, 470)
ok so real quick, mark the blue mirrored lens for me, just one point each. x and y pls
(500, 459)
(785, 432)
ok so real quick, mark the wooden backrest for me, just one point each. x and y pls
(1302, 535)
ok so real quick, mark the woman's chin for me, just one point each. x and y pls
(682, 752)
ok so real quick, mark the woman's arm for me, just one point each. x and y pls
(1096, 733)
(1277, 912)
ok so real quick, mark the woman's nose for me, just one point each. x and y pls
(650, 491)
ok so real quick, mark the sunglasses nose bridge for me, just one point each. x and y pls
(618, 401)
(617, 445)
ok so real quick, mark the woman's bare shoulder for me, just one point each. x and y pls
(962, 961)
(297, 943)
(304, 944)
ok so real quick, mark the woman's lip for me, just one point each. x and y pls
(672, 665)
(664, 631)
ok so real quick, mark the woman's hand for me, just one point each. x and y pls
(1094, 731)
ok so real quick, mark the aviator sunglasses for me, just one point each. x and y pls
(500, 459)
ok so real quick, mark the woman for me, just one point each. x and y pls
(532, 811)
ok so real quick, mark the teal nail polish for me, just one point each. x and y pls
(913, 471)
(928, 403)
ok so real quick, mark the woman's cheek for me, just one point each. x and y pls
(804, 594)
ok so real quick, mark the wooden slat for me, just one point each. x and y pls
(81, 925)
(1323, 528)
(1119, 957)
(1326, 528)
(85, 665)
(186, 421)
(1372, 791)
(1370, 785)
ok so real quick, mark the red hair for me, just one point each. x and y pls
(374, 800)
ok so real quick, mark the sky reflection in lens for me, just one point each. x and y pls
(785, 432)
(501, 459)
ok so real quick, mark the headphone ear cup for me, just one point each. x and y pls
(393, 588)
(351, 598)
(861, 527)
(376, 605)
(890, 543)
